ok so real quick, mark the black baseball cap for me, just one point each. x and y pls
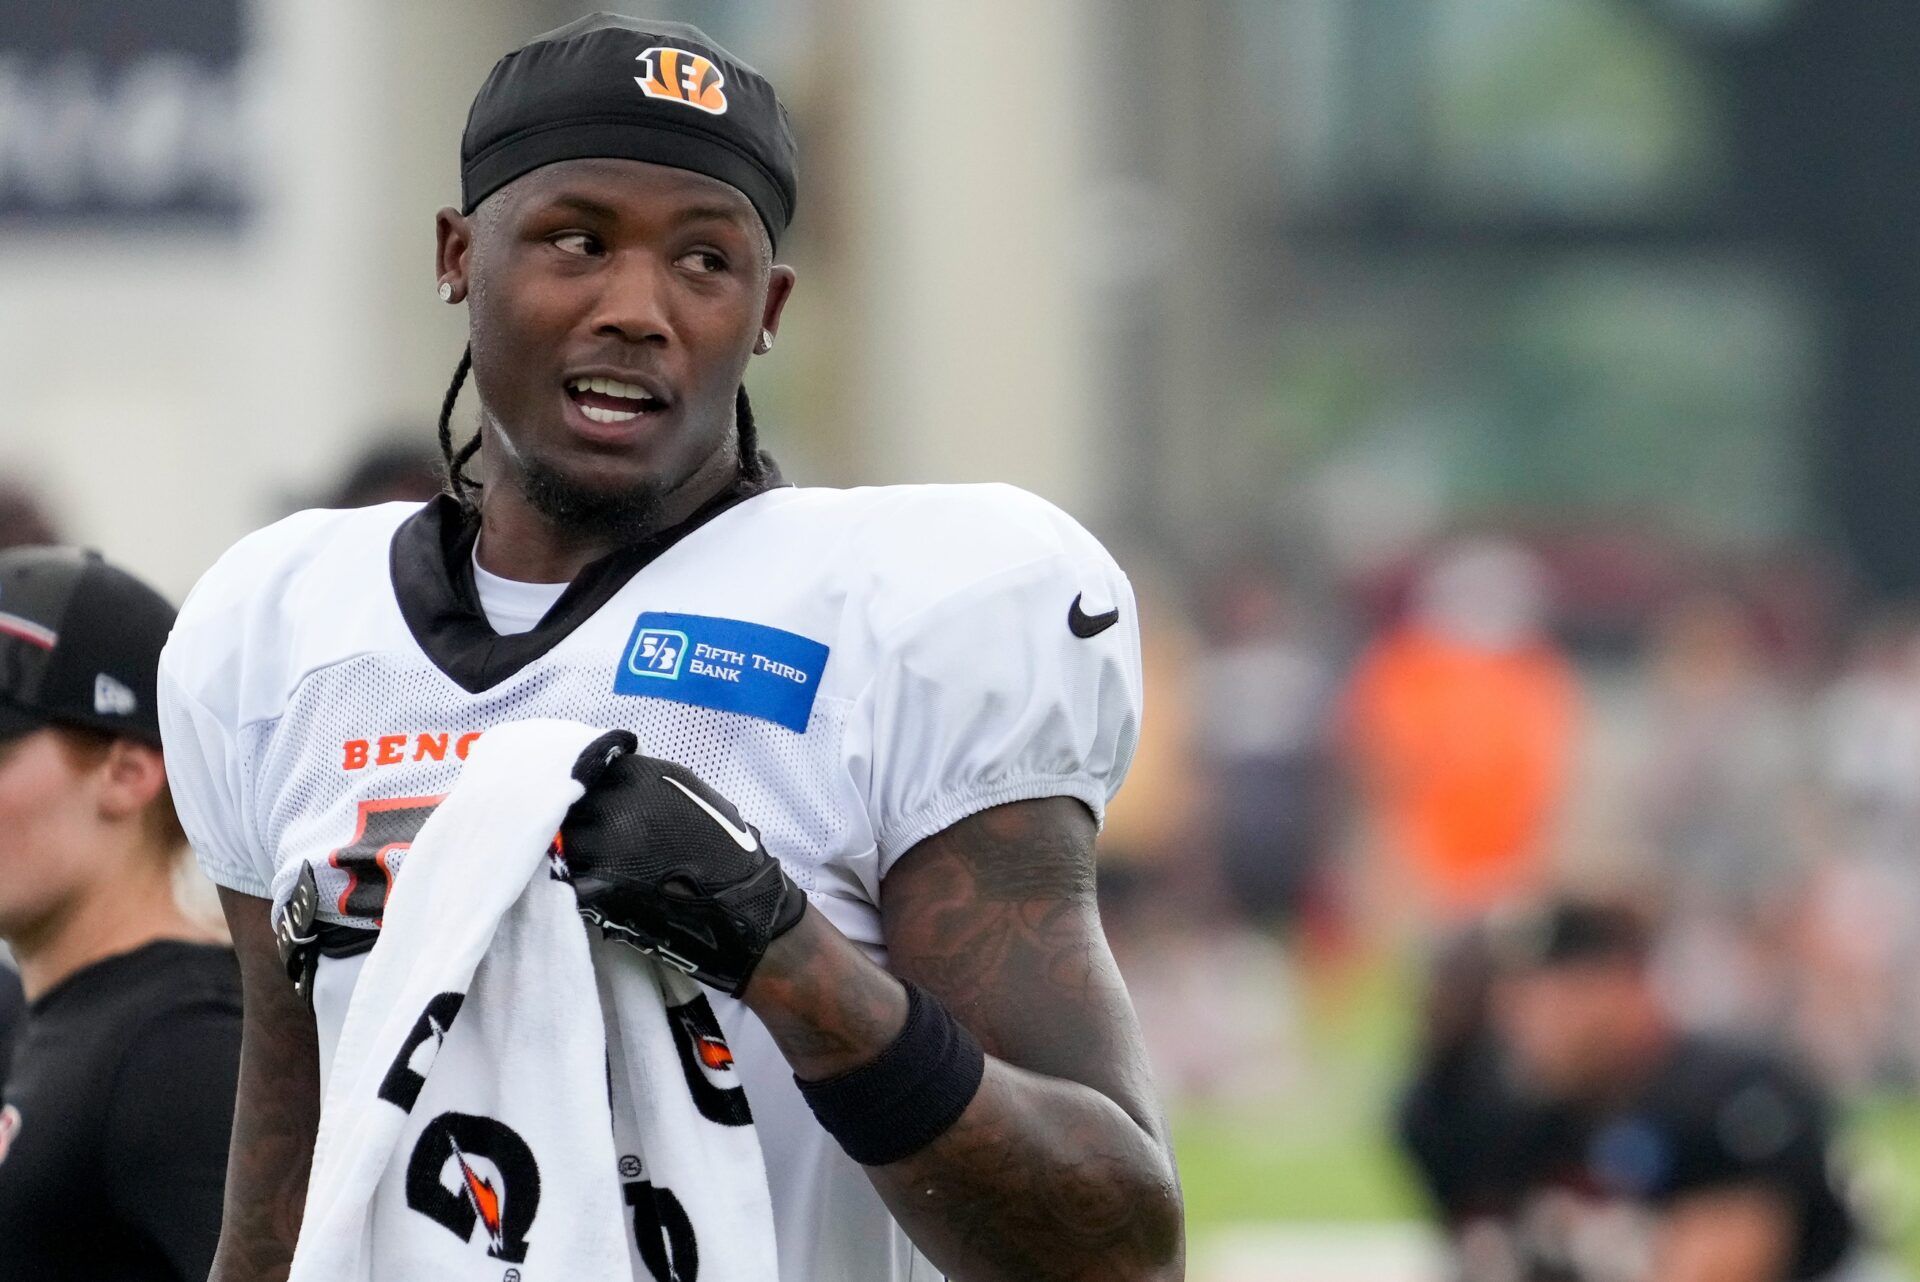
(80, 644)
(631, 89)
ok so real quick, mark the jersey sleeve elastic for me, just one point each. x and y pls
(204, 777)
(1017, 681)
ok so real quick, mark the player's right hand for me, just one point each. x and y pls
(664, 863)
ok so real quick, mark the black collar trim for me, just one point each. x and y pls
(431, 560)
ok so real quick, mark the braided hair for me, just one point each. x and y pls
(458, 483)
(752, 464)
(465, 489)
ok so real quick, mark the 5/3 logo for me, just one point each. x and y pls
(657, 652)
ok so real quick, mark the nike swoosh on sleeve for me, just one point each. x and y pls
(1084, 625)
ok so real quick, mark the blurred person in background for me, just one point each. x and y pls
(1722, 813)
(1859, 995)
(1466, 1130)
(1148, 838)
(400, 470)
(1214, 994)
(1461, 722)
(117, 1110)
(1636, 1152)
(1264, 695)
(23, 521)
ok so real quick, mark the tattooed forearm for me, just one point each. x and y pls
(276, 1114)
(997, 916)
(1042, 1180)
(827, 1006)
(1059, 1169)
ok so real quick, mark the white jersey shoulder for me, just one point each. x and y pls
(282, 600)
(960, 610)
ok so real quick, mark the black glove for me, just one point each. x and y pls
(664, 863)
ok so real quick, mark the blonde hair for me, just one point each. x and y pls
(87, 749)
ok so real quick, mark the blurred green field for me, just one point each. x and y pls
(1323, 1155)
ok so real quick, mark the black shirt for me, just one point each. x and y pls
(1573, 1191)
(13, 1008)
(113, 1136)
(1475, 1141)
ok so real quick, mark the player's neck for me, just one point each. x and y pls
(115, 916)
(519, 542)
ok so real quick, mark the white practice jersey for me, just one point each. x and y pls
(855, 669)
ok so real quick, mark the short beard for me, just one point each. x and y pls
(616, 517)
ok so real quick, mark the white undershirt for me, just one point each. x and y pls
(512, 607)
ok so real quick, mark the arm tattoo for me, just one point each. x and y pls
(276, 1114)
(1060, 1167)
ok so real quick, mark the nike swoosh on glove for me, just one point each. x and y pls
(664, 863)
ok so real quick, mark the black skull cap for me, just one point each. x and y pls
(631, 89)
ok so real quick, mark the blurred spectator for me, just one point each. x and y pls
(1264, 693)
(1148, 836)
(1723, 780)
(1463, 1126)
(1214, 1003)
(1632, 1152)
(1462, 722)
(1860, 1002)
(400, 470)
(116, 1111)
(1871, 744)
(23, 518)
(23, 522)
(1725, 770)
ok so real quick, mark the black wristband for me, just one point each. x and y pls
(908, 1097)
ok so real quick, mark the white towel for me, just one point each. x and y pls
(467, 1131)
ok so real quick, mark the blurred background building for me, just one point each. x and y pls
(1507, 408)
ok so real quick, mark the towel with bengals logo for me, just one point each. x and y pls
(484, 1115)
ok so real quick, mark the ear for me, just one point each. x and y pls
(780, 281)
(453, 237)
(129, 779)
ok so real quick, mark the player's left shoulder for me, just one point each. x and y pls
(282, 600)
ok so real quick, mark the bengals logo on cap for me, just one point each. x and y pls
(683, 77)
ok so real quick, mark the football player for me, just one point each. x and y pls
(109, 1172)
(877, 727)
